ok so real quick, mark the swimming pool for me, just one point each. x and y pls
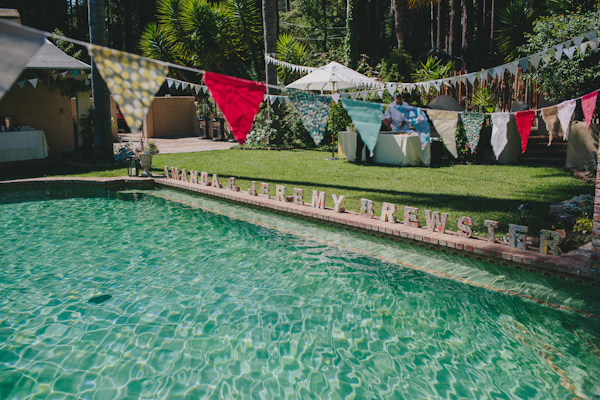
(213, 300)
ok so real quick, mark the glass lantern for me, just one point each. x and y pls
(133, 168)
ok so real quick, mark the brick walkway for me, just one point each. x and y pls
(176, 144)
(572, 267)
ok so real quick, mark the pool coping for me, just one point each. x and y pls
(577, 269)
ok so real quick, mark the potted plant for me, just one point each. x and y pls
(145, 152)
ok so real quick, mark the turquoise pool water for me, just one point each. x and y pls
(212, 300)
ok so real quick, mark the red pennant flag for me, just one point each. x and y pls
(239, 99)
(524, 121)
(588, 104)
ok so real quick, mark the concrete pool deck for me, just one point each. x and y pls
(575, 266)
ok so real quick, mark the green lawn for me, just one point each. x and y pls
(480, 191)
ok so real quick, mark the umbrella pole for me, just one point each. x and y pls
(333, 157)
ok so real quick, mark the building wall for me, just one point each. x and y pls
(43, 110)
(171, 117)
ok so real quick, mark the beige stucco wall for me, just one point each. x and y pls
(43, 110)
(170, 117)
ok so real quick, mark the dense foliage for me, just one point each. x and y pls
(565, 79)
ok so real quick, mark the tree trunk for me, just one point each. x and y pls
(432, 24)
(103, 143)
(441, 24)
(270, 28)
(492, 17)
(352, 27)
(324, 8)
(466, 31)
(454, 23)
(399, 10)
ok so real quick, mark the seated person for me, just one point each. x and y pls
(393, 118)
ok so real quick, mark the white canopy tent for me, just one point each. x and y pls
(333, 77)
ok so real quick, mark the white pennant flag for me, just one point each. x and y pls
(380, 93)
(272, 99)
(535, 61)
(87, 81)
(471, 78)
(583, 47)
(197, 89)
(169, 82)
(391, 89)
(177, 84)
(426, 86)
(512, 67)
(591, 35)
(33, 82)
(204, 88)
(335, 97)
(570, 52)
(578, 40)
(499, 71)
(266, 97)
(344, 95)
(559, 51)
(354, 95)
(438, 85)
(547, 58)
(64, 74)
(184, 85)
(281, 99)
(593, 44)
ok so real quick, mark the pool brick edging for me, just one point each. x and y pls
(577, 269)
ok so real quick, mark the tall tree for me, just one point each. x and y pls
(399, 9)
(271, 32)
(454, 24)
(103, 147)
(441, 24)
(467, 29)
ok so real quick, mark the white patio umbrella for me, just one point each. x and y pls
(333, 77)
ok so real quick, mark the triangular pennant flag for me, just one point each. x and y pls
(499, 137)
(591, 35)
(473, 122)
(75, 72)
(87, 81)
(593, 44)
(570, 52)
(380, 93)
(354, 95)
(578, 40)
(471, 78)
(547, 57)
(550, 116)
(366, 117)
(391, 89)
(499, 71)
(559, 51)
(64, 74)
(417, 118)
(177, 84)
(197, 88)
(184, 85)
(535, 61)
(314, 113)
(18, 45)
(524, 64)
(239, 110)
(565, 112)
(344, 95)
(512, 68)
(583, 47)
(588, 104)
(447, 82)
(170, 82)
(21, 84)
(54, 76)
(445, 124)
(524, 122)
(335, 97)
(33, 82)
(132, 80)
(281, 99)
(437, 85)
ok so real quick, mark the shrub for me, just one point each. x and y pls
(580, 205)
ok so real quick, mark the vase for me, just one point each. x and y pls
(146, 163)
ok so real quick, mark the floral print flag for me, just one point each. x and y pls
(416, 117)
(314, 112)
(132, 80)
(473, 122)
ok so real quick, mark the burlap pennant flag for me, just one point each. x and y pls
(132, 80)
(366, 117)
(473, 122)
(239, 99)
(314, 112)
(499, 138)
(445, 124)
(524, 122)
(18, 46)
(550, 116)
(588, 104)
(565, 112)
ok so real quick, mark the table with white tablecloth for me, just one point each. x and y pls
(22, 145)
(397, 149)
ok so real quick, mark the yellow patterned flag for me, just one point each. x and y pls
(132, 80)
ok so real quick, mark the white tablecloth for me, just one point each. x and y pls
(398, 149)
(22, 145)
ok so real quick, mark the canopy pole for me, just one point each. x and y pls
(333, 157)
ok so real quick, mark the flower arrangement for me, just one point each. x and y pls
(146, 147)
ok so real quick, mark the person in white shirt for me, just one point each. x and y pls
(394, 119)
